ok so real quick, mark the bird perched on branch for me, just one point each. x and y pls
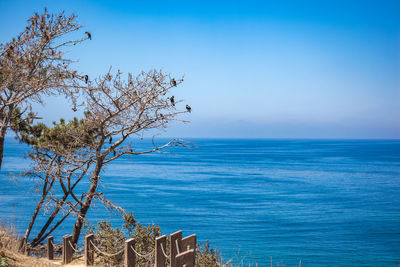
(172, 99)
(10, 51)
(173, 82)
(188, 108)
(86, 78)
(89, 36)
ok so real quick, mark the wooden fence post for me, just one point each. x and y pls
(185, 259)
(189, 242)
(89, 250)
(159, 255)
(28, 250)
(50, 248)
(129, 254)
(68, 249)
(63, 248)
(175, 245)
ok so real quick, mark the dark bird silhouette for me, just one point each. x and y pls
(172, 99)
(86, 78)
(188, 108)
(74, 109)
(114, 153)
(89, 35)
(173, 82)
(10, 51)
(110, 139)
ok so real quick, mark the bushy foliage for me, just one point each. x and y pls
(206, 256)
(111, 240)
(145, 236)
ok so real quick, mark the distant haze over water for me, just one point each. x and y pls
(252, 69)
(326, 202)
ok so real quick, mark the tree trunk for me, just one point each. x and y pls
(35, 241)
(46, 189)
(53, 228)
(28, 230)
(86, 205)
(3, 131)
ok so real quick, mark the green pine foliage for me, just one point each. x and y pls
(62, 137)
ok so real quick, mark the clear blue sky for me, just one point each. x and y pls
(263, 69)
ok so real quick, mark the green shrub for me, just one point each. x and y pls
(111, 240)
(3, 262)
(206, 256)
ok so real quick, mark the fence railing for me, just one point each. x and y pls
(182, 251)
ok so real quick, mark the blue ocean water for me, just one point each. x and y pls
(326, 202)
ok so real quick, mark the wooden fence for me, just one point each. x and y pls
(182, 251)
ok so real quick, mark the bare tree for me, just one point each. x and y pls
(58, 154)
(115, 110)
(33, 65)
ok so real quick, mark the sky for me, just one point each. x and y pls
(253, 69)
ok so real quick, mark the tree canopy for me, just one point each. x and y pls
(34, 65)
(116, 107)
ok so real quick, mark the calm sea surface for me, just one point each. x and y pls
(326, 202)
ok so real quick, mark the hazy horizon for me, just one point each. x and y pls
(298, 69)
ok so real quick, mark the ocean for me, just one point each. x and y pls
(324, 202)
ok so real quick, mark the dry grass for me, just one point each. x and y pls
(8, 238)
(9, 255)
(11, 258)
